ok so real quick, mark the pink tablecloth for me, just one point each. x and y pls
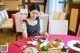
(65, 38)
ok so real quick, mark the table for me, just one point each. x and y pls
(65, 38)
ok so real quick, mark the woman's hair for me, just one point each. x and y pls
(33, 7)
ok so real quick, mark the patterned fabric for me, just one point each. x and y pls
(33, 30)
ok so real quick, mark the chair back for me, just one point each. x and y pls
(24, 11)
(17, 23)
(6, 14)
(62, 16)
(56, 15)
(45, 22)
(58, 27)
(1, 20)
(3, 15)
(41, 25)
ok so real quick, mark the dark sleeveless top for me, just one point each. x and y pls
(33, 30)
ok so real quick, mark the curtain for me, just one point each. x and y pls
(54, 5)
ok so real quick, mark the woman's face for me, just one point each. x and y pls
(34, 14)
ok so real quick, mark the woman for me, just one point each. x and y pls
(32, 22)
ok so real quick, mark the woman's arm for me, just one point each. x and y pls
(24, 30)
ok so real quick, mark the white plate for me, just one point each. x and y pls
(71, 45)
(59, 47)
(32, 42)
(31, 50)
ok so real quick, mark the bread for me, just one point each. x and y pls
(50, 44)
(56, 44)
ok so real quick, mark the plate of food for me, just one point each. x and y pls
(39, 37)
(74, 44)
(53, 45)
(31, 50)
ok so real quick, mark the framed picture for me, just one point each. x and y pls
(78, 33)
(37, 1)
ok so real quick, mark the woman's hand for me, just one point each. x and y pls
(22, 20)
(45, 34)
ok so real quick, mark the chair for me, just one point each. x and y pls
(1, 21)
(41, 25)
(18, 25)
(6, 23)
(24, 11)
(6, 15)
(58, 27)
(2, 15)
(56, 15)
(45, 22)
(62, 16)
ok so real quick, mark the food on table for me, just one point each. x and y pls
(29, 42)
(44, 48)
(44, 35)
(40, 41)
(36, 38)
(77, 45)
(31, 50)
(56, 44)
(50, 44)
(58, 40)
